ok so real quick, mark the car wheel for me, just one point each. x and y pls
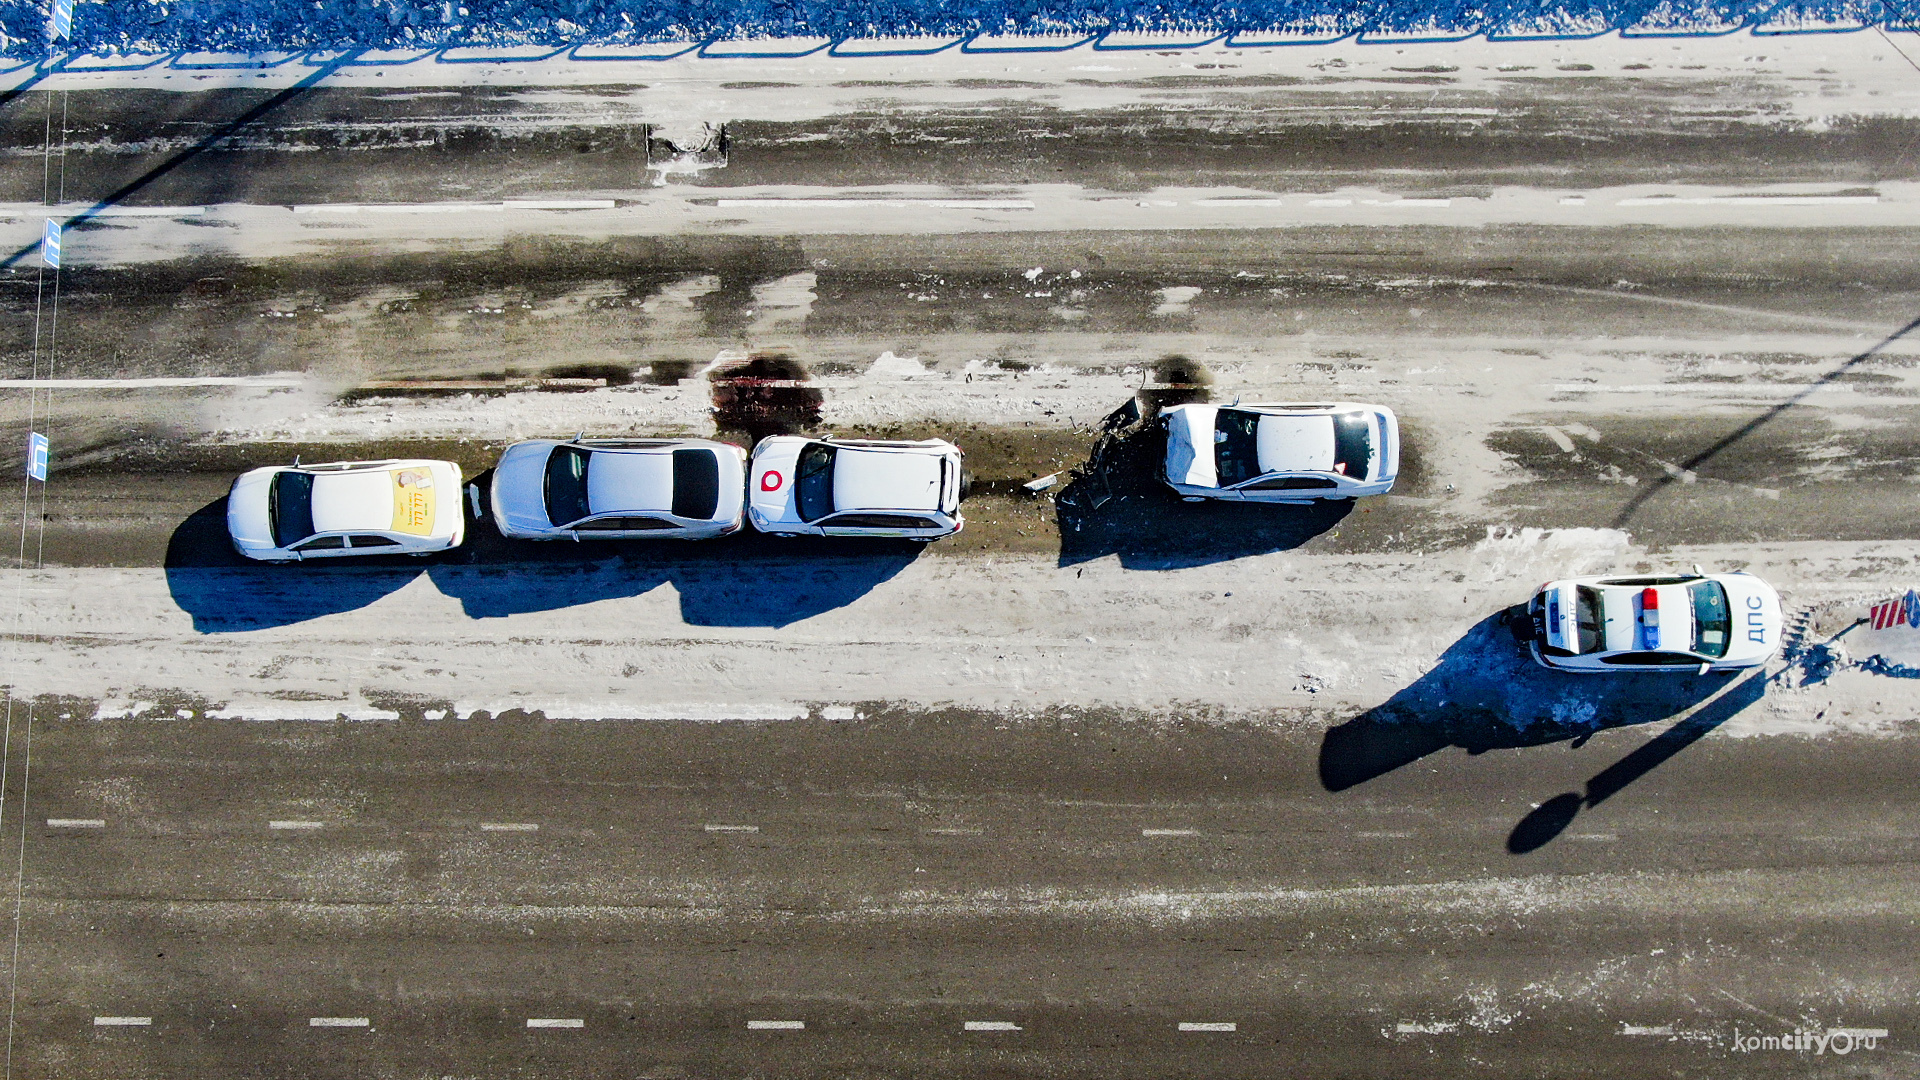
(966, 482)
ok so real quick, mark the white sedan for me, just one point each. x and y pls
(1682, 622)
(1282, 453)
(284, 513)
(854, 487)
(619, 489)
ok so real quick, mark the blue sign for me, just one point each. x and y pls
(37, 455)
(50, 244)
(62, 19)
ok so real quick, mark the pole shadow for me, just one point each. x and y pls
(1118, 504)
(1486, 694)
(225, 593)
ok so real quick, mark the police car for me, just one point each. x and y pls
(1688, 622)
(1281, 452)
(619, 489)
(286, 513)
(856, 487)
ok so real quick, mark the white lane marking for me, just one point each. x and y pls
(1184, 1026)
(508, 826)
(1383, 836)
(560, 204)
(148, 211)
(339, 1021)
(992, 1025)
(1169, 832)
(1411, 202)
(75, 823)
(554, 1022)
(733, 828)
(940, 204)
(776, 1025)
(1210, 203)
(296, 824)
(123, 1021)
(957, 832)
(401, 208)
(1636, 1029)
(838, 712)
(1436, 1027)
(1595, 837)
(1574, 200)
(1749, 200)
(152, 384)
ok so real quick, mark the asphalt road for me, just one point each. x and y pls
(1108, 785)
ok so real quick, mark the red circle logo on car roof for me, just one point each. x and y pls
(770, 481)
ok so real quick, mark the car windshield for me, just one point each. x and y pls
(1712, 618)
(813, 482)
(290, 508)
(566, 485)
(1353, 445)
(1236, 449)
(1589, 616)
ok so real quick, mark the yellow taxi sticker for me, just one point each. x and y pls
(413, 501)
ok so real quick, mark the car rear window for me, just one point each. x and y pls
(566, 485)
(1353, 445)
(696, 483)
(813, 486)
(1236, 447)
(1712, 618)
(290, 508)
(1589, 617)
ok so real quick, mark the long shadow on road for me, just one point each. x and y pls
(1117, 504)
(743, 580)
(226, 593)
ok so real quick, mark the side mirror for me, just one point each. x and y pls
(1697, 572)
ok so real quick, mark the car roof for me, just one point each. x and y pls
(357, 501)
(630, 481)
(885, 479)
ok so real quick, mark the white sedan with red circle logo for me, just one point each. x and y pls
(856, 487)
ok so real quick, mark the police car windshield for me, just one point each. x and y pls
(566, 485)
(1353, 445)
(1236, 446)
(1589, 617)
(813, 482)
(1712, 618)
(290, 508)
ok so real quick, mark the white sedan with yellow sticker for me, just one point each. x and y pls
(287, 513)
(1676, 622)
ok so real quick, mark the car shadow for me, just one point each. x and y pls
(1118, 504)
(225, 593)
(742, 580)
(1486, 693)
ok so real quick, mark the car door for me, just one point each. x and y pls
(625, 527)
(321, 547)
(374, 544)
(1288, 487)
(870, 524)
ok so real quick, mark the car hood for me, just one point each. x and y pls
(247, 520)
(518, 482)
(1756, 616)
(1295, 443)
(1190, 427)
(770, 488)
(885, 480)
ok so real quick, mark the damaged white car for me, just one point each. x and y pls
(619, 489)
(1281, 452)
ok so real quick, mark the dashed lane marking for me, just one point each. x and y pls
(123, 1021)
(555, 1022)
(733, 828)
(1436, 1027)
(296, 824)
(1184, 1026)
(1169, 832)
(992, 1025)
(339, 1021)
(1383, 836)
(508, 826)
(957, 832)
(776, 1025)
(938, 204)
(76, 823)
(1636, 1029)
